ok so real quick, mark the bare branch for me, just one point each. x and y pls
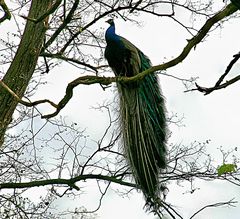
(25, 103)
(87, 80)
(218, 85)
(70, 182)
(60, 56)
(219, 204)
(229, 67)
(230, 9)
(7, 14)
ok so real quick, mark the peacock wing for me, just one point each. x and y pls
(132, 58)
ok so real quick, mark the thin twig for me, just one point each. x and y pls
(230, 203)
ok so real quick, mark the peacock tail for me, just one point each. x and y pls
(142, 114)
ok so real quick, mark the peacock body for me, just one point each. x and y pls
(142, 114)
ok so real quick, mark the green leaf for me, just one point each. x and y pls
(226, 168)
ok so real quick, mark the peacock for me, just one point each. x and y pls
(236, 3)
(142, 114)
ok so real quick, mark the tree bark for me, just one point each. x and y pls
(23, 65)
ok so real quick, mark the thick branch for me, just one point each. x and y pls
(70, 182)
(87, 80)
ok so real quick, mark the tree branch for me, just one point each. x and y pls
(218, 85)
(60, 56)
(7, 14)
(230, 9)
(25, 103)
(230, 203)
(209, 90)
(70, 182)
(87, 80)
(229, 67)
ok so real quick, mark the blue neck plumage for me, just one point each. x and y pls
(110, 34)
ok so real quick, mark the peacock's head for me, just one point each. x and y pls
(110, 21)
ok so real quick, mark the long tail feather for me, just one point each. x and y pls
(143, 125)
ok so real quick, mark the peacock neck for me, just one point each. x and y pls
(110, 34)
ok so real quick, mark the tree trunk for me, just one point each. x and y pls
(23, 65)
